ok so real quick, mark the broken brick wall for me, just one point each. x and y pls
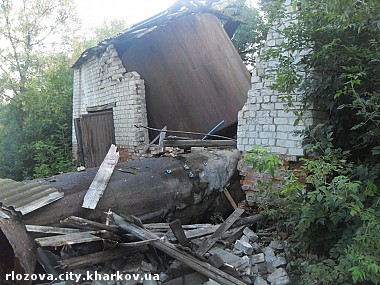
(103, 81)
(265, 119)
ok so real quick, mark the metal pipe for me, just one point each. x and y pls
(213, 129)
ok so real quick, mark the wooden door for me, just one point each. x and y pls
(98, 133)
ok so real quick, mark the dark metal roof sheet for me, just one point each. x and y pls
(143, 28)
(26, 197)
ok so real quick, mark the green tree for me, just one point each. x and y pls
(28, 29)
(246, 26)
(37, 141)
(35, 87)
(337, 219)
(96, 34)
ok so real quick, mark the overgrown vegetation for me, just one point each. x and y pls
(335, 217)
(36, 80)
(251, 31)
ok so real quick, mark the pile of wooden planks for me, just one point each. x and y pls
(199, 248)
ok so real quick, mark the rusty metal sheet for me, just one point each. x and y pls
(194, 76)
(17, 250)
(26, 197)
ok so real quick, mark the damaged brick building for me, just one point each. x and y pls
(177, 69)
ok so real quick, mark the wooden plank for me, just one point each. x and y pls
(180, 255)
(62, 240)
(220, 231)
(88, 225)
(136, 243)
(98, 257)
(161, 140)
(232, 235)
(198, 143)
(99, 184)
(179, 233)
(230, 199)
(51, 230)
(250, 220)
(105, 107)
(149, 145)
(166, 226)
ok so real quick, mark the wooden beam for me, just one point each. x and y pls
(161, 140)
(219, 232)
(88, 225)
(51, 230)
(166, 226)
(198, 143)
(230, 199)
(98, 257)
(62, 240)
(104, 107)
(179, 233)
(99, 184)
(180, 255)
(250, 220)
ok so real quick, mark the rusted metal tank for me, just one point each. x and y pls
(194, 77)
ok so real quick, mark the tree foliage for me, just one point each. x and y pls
(27, 29)
(36, 87)
(251, 31)
(36, 84)
(36, 135)
(336, 220)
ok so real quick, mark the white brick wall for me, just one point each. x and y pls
(264, 119)
(104, 80)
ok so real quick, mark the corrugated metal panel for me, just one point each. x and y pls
(194, 76)
(26, 197)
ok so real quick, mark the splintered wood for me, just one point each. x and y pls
(99, 184)
(156, 243)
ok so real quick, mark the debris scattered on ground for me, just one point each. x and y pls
(233, 251)
(227, 253)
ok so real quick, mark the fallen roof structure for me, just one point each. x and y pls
(194, 77)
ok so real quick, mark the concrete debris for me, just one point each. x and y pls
(244, 246)
(275, 244)
(258, 258)
(126, 251)
(250, 234)
(260, 281)
(279, 277)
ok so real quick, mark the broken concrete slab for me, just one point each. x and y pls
(269, 254)
(258, 258)
(260, 281)
(250, 234)
(245, 247)
(279, 277)
(276, 244)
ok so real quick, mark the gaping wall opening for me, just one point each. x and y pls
(180, 71)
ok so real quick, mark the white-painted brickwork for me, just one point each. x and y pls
(265, 120)
(104, 80)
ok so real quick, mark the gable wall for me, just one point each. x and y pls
(103, 81)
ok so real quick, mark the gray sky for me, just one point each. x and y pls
(94, 12)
